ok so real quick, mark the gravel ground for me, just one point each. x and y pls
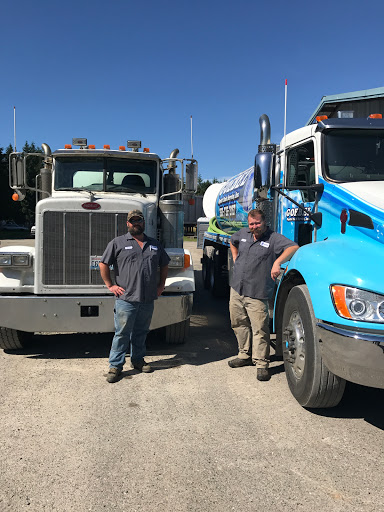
(195, 435)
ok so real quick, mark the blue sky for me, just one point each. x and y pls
(138, 70)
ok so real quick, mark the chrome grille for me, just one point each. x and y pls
(69, 239)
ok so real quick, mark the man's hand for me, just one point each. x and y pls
(116, 290)
(275, 271)
(160, 289)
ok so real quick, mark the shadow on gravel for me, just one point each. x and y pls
(358, 402)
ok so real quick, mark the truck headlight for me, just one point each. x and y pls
(5, 260)
(20, 260)
(179, 259)
(357, 304)
(15, 260)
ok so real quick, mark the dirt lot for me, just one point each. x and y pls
(195, 435)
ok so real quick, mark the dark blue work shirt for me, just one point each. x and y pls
(251, 275)
(135, 268)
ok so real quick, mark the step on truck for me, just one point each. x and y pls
(84, 195)
(322, 187)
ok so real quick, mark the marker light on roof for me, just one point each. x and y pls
(91, 146)
(68, 146)
(122, 148)
(107, 146)
(321, 118)
(375, 116)
(146, 150)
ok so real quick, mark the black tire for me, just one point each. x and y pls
(177, 333)
(11, 339)
(219, 274)
(309, 380)
(206, 267)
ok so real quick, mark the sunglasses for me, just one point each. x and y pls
(136, 220)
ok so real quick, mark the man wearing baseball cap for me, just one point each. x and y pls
(135, 258)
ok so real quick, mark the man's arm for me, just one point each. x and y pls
(284, 256)
(163, 277)
(234, 251)
(106, 277)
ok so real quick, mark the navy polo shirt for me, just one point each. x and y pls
(251, 275)
(135, 268)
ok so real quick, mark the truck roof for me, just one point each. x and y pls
(106, 153)
(361, 103)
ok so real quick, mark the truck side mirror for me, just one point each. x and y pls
(263, 173)
(191, 177)
(17, 171)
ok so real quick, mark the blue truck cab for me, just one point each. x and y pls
(323, 187)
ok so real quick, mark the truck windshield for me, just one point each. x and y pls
(105, 174)
(354, 155)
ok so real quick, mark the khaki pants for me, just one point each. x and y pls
(250, 322)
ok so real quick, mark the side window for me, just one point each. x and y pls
(301, 169)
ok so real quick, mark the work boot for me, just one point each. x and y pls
(113, 374)
(263, 374)
(142, 366)
(237, 362)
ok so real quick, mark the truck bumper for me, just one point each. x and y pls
(34, 313)
(354, 356)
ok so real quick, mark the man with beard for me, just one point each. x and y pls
(257, 253)
(135, 258)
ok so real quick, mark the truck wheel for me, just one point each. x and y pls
(206, 266)
(309, 380)
(177, 333)
(218, 276)
(11, 339)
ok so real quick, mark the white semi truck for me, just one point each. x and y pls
(84, 195)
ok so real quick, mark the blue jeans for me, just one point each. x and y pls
(132, 320)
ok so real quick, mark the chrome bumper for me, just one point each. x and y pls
(354, 356)
(36, 313)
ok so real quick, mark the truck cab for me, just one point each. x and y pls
(84, 195)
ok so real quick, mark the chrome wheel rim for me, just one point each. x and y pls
(295, 344)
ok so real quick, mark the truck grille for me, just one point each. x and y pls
(71, 238)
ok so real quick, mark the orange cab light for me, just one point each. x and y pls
(122, 148)
(146, 150)
(187, 260)
(338, 293)
(375, 116)
(68, 146)
(91, 146)
(321, 118)
(15, 196)
(107, 146)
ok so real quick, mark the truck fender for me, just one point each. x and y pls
(343, 261)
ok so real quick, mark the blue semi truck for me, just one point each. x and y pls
(322, 187)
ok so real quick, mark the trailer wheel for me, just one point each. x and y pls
(309, 380)
(11, 339)
(218, 276)
(177, 333)
(206, 266)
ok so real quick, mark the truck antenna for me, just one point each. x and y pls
(285, 111)
(14, 127)
(191, 140)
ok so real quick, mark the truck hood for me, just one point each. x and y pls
(371, 192)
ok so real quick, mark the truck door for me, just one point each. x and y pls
(300, 171)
